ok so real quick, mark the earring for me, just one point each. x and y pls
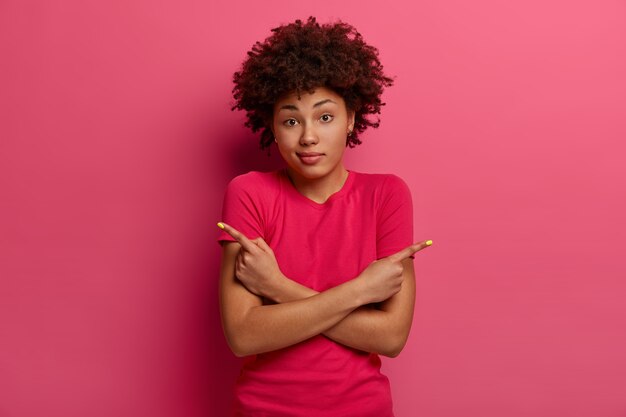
(349, 132)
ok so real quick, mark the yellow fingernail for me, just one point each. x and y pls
(220, 225)
(429, 242)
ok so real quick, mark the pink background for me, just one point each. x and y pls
(507, 120)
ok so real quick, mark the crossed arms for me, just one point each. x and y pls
(249, 272)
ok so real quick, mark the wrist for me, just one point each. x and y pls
(274, 290)
(358, 291)
(289, 290)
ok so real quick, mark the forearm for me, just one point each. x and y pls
(371, 330)
(365, 328)
(264, 328)
(250, 271)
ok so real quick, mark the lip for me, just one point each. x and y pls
(310, 158)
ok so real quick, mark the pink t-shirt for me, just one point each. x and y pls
(319, 246)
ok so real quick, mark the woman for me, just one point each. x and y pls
(317, 274)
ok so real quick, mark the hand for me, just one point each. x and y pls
(256, 266)
(383, 278)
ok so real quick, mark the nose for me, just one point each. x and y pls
(309, 135)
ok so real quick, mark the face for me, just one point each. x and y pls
(311, 133)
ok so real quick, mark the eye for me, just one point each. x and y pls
(290, 122)
(326, 117)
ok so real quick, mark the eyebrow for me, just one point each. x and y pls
(294, 107)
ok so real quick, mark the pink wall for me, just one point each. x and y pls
(507, 120)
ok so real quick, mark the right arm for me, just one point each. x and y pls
(252, 327)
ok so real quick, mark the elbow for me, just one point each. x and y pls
(239, 337)
(394, 346)
(244, 338)
(392, 352)
(238, 346)
(236, 341)
(245, 342)
(240, 353)
(235, 347)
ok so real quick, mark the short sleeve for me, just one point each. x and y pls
(241, 209)
(394, 222)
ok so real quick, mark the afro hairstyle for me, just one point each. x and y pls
(298, 57)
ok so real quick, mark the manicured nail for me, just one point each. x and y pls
(429, 242)
(220, 225)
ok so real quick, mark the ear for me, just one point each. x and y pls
(351, 118)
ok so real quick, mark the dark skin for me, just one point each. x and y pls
(342, 313)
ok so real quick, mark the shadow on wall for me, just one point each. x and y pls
(246, 155)
(233, 157)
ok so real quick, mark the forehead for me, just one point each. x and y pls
(308, 99)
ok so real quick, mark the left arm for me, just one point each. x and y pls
(382, 330)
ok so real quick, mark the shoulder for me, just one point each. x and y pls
(382, 184)
(256, 182)
(387, 192)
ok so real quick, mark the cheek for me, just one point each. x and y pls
(340, 135)
(338, 146)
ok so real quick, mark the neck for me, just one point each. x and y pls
(319, 189)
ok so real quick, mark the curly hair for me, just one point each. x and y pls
(302, 56)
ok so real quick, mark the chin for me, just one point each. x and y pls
(310, 172)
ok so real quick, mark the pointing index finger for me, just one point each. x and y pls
(246, 243)
(410, 250)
